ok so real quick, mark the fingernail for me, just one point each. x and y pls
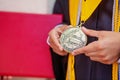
(84, 28)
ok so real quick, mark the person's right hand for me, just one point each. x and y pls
(54, 36)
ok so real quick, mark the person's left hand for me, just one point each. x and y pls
(105, 50)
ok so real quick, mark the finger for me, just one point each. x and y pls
(96, 59)
(96, 54)
(54, 43)
(90, 32)
(62, 53)
(53, 39)
(62, 29)
(65, 27)
(92, 54)
(101, 60)
(92, 47)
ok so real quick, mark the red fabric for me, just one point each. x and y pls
(23, 47)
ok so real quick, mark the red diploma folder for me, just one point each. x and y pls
(23, 47)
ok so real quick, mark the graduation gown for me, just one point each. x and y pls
(85, 69)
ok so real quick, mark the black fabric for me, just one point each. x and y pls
(85, 69)
(59, 65)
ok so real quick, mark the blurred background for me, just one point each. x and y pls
(27, 6)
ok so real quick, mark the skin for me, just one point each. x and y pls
(105, 50)
(54, 36)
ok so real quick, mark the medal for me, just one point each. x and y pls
(73, 38)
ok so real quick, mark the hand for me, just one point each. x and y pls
(105, 50)
(54, 36)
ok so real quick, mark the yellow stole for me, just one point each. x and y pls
(87, 8)
(116, 28)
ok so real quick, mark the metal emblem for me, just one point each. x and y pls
(73, 38)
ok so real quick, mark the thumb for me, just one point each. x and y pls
(90, 32)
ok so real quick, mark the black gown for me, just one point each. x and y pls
(85, 69)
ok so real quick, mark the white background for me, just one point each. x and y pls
(29, 6)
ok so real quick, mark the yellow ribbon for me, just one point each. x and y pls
(87, 8)
(70, 69)
(116, 22)
(115, 71)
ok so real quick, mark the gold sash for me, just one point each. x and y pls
(87, 8)
(116, 28)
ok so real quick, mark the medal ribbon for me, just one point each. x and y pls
(116, 28)
(86, 8)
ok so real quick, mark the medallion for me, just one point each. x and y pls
(73, 38)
